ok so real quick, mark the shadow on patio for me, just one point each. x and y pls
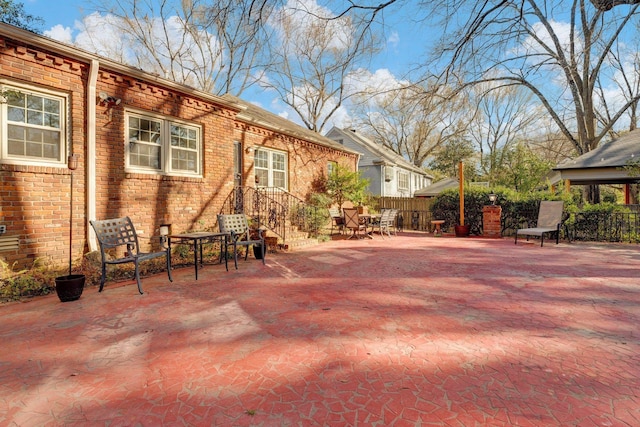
(406, 330)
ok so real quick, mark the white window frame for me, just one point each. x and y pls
(165, 166)
(403, 180)
(63, 150)
(331, 167)
(269, 171)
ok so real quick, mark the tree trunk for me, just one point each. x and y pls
(592, 193)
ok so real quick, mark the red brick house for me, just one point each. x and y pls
(148, 148)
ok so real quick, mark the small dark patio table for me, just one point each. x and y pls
(369, 219)
(199, 239)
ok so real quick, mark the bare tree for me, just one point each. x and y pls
(605, 5)
(412, 120)
(624, 62)
(211, 47)
(555, 50)
(314, 54)
(503, 115)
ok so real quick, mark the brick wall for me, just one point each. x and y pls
(35, 200)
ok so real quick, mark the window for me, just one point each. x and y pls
(403, 181)
(156, 144)
(270, 168)
(331, 166)
(33, 127)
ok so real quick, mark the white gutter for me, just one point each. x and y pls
(90, 178)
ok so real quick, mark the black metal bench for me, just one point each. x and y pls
(117, 232)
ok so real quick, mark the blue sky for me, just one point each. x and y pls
(403, 44)
(404, 38)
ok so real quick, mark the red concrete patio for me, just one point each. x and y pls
(409, 331)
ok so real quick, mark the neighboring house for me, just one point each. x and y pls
(436, 188)
(389, 174)
(152, 149)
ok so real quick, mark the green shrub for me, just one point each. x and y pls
(14, 285)
(447, 206)
(517, 209)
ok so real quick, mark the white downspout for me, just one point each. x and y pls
(91, 153)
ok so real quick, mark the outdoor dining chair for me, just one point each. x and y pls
(337, 221)
(352, 222)
(237, 227)
(382, 225)
(119, 233)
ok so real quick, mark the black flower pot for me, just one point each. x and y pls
(257, 251)
(69, 288)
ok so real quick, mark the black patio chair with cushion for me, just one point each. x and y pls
(118, 233)
(550, 219)
(237, 227)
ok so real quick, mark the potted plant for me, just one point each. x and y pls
(70, 287)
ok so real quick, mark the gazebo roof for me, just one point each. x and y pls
(605, 164)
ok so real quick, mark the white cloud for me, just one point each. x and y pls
(60, 33)
(301, 23)
(380, 81)
(393, 40)
(560, 30)
(189, 57)
(101, 34)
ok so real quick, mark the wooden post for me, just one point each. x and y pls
(627, 194)
(461, 175)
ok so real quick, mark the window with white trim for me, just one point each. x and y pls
(331, 167)
(33, 126)
(162, 145)
(270, 168)
(403, 181)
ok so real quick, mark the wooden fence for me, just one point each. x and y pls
(413, 213)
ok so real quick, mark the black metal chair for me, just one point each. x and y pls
(120, 232)
(237, 227)
(337, 221)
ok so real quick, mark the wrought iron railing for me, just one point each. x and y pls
(605, 227)
(273, 208)
(597, 226)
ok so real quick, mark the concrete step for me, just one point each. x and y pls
(301, 243)
(295, 239)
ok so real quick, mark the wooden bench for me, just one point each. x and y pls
(120, 232)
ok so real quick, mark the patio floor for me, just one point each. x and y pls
(412, 330)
